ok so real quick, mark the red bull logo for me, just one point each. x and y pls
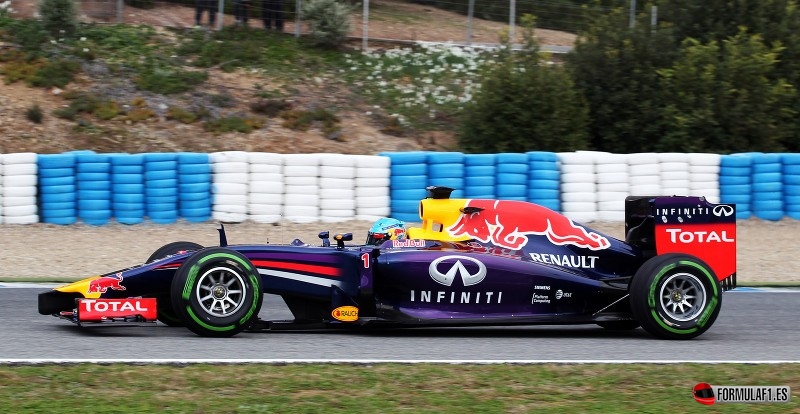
(507, 223)
(103, 283)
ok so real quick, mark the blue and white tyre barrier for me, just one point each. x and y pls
(735, 183)
(372, 182)
(767, 194)
(19, 188)
(409, 172)
(128, 188)
(446, 169)
(480, 171)
(675, 173)
(544, 179)
(301, 174)
(194, 187)
(337, 191)
(57, 189)
(791, 185)
(613, 185)
(645, 174)
(512, 176)
(161, 187)
(93, 177)
(230, 186)
(265, 198)
(578, 185)
(704, 176)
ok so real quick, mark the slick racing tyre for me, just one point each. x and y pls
(217, 292)
(166, 315)
(675, 296)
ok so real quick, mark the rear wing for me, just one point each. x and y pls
(682, 224)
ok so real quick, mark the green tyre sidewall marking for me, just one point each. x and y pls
(194, 270)
(710, 305)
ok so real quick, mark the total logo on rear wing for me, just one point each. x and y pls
(695, 226)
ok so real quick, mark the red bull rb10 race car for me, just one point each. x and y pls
(471, 262)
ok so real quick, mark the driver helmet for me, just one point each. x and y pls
(386, 229)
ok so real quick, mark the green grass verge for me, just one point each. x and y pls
(346, 388)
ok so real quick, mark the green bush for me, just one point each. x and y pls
(168, 80)
(106, 110)
(79, 103)
(300, 120)
(233, 124)
(55, 73)
(59, 17)
(329, 21)
(181, 115)
(29, 34)
(525, 104)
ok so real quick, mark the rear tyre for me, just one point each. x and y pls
(166, 314)
(675, 296)
(217, 292)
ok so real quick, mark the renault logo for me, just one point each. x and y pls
(455, 266)
(723, 210)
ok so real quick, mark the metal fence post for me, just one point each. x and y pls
(512, 20)
(365, 27)
(298, 9)
(220, 14)
(632, 16)
(470, 12)
(120, 11)
(653, 16)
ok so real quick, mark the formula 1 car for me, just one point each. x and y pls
(472, 262)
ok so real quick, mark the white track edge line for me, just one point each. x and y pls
(43, 361)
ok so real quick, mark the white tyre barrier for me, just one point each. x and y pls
(579, 197)
(337, 193)
(229, 156)
(312, 190)
(373, 182)
(613, 187)
(264, 209)
(19, 189)
(368, 202)
(228, 217)
(291, 160)
(266, 199)
(301, 171)
(293, 180)
(265, 218)
(371, 192)
(370, 172)
(338, 204)
(266, 187)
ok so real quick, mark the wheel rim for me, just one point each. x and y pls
(220, 291)
(683, 297)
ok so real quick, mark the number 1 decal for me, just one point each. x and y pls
(365, 259)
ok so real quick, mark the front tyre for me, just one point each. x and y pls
(675, 296)
(217, 292)
(166, 314)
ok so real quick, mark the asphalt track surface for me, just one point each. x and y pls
(752, 327)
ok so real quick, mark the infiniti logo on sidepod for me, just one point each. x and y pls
(447, 278)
